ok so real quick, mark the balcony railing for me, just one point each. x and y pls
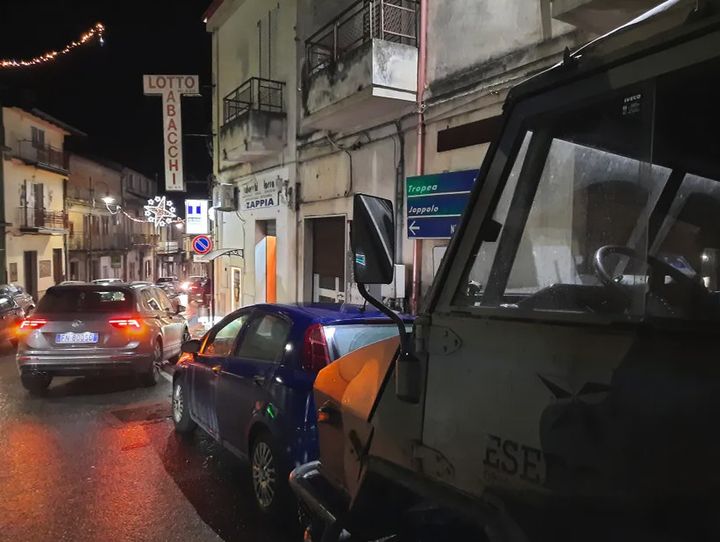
(363, 21)
(42, 155)
(167, 247)
(254, 94)
(98, 242)
(38, 218)
(143, 239)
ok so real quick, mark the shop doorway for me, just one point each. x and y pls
(328, 260)
(30, 271)
(236, 287)
(58, 265)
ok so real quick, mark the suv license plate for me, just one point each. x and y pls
(76, 338)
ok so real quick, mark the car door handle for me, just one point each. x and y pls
(259, 380)
(217, 369)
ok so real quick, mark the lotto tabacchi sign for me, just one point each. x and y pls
(172, 88)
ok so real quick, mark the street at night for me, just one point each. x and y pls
(359, 271)
(99, 460)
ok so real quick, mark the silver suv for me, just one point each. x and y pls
(82, 330)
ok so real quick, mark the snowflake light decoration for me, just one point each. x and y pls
(160, 211)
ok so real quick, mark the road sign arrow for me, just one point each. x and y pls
(414, 228)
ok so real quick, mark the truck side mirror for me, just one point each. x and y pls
(373, 240)
(373, 244)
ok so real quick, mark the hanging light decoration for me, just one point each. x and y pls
(160, 211)
(95, 32)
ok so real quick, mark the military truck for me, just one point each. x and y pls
(563, 379)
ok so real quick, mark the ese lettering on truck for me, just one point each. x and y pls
(515, 459)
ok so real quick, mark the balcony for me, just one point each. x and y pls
(167, 247)
(599, 16)
(142, 240)
(254, 122)
(98, 243)
(38, 220)
(361, 67)
(42, 156)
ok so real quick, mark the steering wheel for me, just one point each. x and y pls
(692, 286)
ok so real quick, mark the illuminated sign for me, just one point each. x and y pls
(172, 88)
(196, 216)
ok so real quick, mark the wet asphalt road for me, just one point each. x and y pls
(98, 460)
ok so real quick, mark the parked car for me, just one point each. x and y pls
(11, 314)
(248, 383)
(108, 281)
(21, 297)
(71, 282)
(97, 329)
(198, 289)
(168, 282)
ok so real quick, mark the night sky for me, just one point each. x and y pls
(98, 89)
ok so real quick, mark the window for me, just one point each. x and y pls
(105, 223)
(224, 340)
(38, 137)
(580, 183)
(347, 338)
(84, 299)
(265, 339)
(164, 300)
(150, 301)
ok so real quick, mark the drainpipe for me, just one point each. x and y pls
(420, 164)
(3, 252)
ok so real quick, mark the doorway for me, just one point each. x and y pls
(328, 260)
(236, 287)
(58, 265)
(30, 271)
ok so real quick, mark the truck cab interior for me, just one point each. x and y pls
(617, 211)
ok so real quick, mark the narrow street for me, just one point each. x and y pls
(99, 460)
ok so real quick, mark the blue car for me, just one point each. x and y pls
(248, 383)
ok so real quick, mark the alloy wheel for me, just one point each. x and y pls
(264, 475)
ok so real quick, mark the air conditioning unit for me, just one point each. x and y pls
(224, 197)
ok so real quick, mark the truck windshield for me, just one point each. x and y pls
(612, 207)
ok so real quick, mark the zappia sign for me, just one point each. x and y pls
(172, 88)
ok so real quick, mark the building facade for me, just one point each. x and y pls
(350, 121)
(108, 236)
(34, 178)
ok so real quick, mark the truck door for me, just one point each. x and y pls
(524, 336)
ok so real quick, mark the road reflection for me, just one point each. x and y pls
(218, 486)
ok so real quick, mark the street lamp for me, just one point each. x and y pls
(108, 200)
(179, 225)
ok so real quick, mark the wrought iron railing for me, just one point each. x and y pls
(37, 217)
(84, 241)
(164, 247)
(42, 155)
(365, 20)
(143, 239)
(254, 94)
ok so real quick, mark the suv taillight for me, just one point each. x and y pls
(125, 323)
(316, 354)
(32, 323)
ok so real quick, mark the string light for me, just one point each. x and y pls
(95, 32)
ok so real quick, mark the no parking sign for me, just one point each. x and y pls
(202, 244)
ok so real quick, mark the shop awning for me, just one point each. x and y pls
(210, 256)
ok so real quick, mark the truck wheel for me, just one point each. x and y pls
(270, 478)
(36, 384)
(152, 375)
(180, 411)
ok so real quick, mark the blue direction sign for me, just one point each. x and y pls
(202, 244)
(435, 203)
